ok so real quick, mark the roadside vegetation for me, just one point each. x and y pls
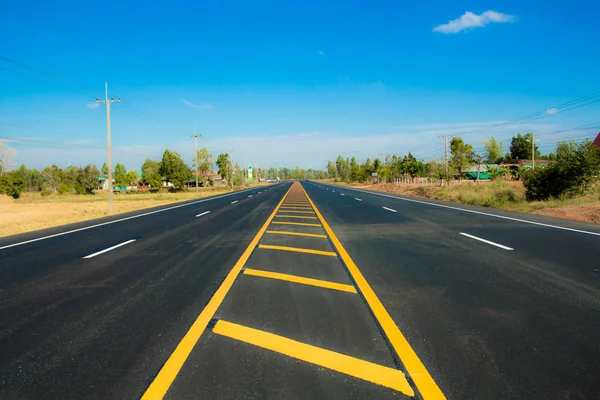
(567, 177)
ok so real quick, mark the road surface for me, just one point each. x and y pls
(299, 291)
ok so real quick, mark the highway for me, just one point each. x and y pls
(303, 290)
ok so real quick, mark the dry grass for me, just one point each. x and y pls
(506, 195)
(32, 211)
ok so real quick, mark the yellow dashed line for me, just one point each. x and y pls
(294, 223)
(163, 381)
(297, 250)
(365, 370)
(298, 279)
(297, 234)
(293, 216)
(298, 212)
(423, 380)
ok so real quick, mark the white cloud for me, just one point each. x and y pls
(551, 111)
(321, 53)
(203, 106)
(471, 20)
(93, 105)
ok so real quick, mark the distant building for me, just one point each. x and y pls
(526, 163)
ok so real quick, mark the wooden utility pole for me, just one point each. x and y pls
(107, 102)
(533, 150)
(196, 136)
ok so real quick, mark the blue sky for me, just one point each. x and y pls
(291, 83)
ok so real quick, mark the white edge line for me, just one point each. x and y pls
(356, 198)
(342, 194)
(201, 214)
(477, 212)
(250, 196)
(486, 241)
(119, 220)
(389, 209)
(110, 248)
(235, 201)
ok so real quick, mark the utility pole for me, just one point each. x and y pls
(245, 171)
(196, 136)
(446, 156)
(533, 150)
(107, 102)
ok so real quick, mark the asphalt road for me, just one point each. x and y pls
(303, 292)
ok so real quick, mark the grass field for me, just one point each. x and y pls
(32, 211)
(506, 195)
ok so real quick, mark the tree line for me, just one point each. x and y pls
(571, 169)
(171, 168)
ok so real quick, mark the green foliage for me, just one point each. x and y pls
(331, 169)
(224, 167)
(120, 175)
(132, 178)
(174, 169)
(64, 188)
(87, 179)
(577, 166)
(104, 169)
(150, 174)
(205, 164)
(493, 150)
(12, 184)
(461, 155)
(520, 147)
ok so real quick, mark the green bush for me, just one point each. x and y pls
(572, 174)
(64, 188)
(12, 184)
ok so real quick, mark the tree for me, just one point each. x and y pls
(174, 170)
(331, 170)
(104, 169)
(354, 170)
(571, 174)
(520, 147)
(205, 163)
(461, 155)
(12, 184)
(342, 169)
(120, 175)
(7, 155)
(132, 178)
(87, 179)
(565, 149)
(150, 174)
(224, 166)
(493, 150)
(51, 178)
(31, 177)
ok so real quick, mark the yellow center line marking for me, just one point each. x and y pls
(298, 212)
(365, 370)
(297, 234)
(293, 216)
(297, 207)
(297, 250)
(160, 385)
(299, 279)
(294, 223)
(427, 387)
(307, 204)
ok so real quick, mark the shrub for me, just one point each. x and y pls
(64, 188)
(572, 174)
(12, 184)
